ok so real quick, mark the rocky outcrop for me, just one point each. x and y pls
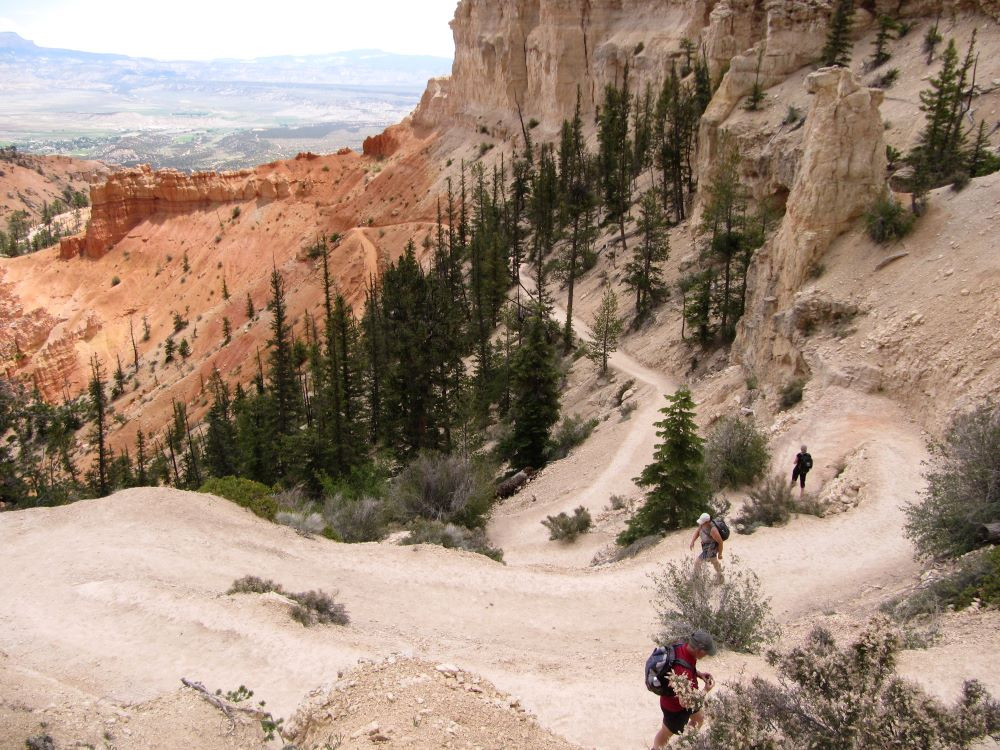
(534, 55)
(130, 196)
(380, 146)
(842, 169)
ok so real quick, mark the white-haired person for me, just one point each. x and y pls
(711, 545)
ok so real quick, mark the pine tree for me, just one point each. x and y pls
(678, 490)
(642, 275)
(184, 348)
(221, 453)
(250, 308)
(607, 327)
(981, 159)
(615, 154)
(98, 412)
(837, 50)
(225, 289)
(577, 204)
(756, 97)
(227, 331)
(282, 380)
(880, 55)
(535, 407)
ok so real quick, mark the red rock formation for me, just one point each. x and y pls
(380, 146)
(130, 196)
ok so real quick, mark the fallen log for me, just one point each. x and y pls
(511, 485)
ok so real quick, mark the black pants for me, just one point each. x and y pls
(797, 473)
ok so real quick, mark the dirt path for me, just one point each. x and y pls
(118, 598)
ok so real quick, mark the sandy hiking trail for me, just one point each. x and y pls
(119, 598)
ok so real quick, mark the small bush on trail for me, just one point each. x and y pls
(567, 528)
(318, 608)
(303, 522)
(355, 521)
(735, 453)
(829, 698)
(244, 492)
(253, 585)
(617, 502)
(311, 607)
(451, 489)
(571, 432)
(451, 536)
(770, 503)
(963, 487)
(734, 612)
(887, 220)
(791, 394)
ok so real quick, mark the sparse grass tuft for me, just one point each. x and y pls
(567, 528)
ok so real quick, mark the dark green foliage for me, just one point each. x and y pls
(250, 308)
(887, 220)
(736, 453)
(940, 154)
(932, 38)
(642, 274)
(675, 123)
(616, 153)
(887, 79)
(566, 528)
(982, 159)
(535, 407)
(98, 404)
(571, 432)
(735, 612)
(829, 698)
(791, 393)
(450, 489)
(678, 490)
(452, 536)
(837, 50)
(881, 55)
(179, 322)
(184, 348)
(227, 331)
(963, 487)
(254, 496)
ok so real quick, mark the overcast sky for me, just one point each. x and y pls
(205, 29)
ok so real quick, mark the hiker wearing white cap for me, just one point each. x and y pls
(711, 545)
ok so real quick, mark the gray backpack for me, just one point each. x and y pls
(659, 665)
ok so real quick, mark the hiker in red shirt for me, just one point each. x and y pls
(675, 715)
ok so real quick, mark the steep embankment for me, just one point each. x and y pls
(28, 182)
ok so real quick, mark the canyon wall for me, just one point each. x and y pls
(130, 196)
(842, 170)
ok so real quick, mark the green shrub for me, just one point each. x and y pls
(353, 521)
(734, 612)
(974, 576)
(253, 585)
(887, 79)
(792, 116)
(451, 536)
(244, 492)
(311, 607)
(770, 503)
(736, 453)
(115, 281)
(318, 608)
(571, 432)
(791, 393)
(829, 698)
(887, 220)
(566, 528)
(963, 487)
(451, 489)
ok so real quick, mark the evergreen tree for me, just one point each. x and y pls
(939, 155)
(221, 451)
(576, 209)
(641, 273)
(141, 477)
(535, 407)
(607, 328)
(981, 159)
(250, 308)
(282, 380)
(678, 490)
(169, 347)
(615, 154)
(12, 486)
(675, 125)
(227, 331)
(756, 97)
(837, 50)
(543, 213)
(98, 412)
(880, 55)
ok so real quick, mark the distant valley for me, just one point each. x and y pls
(220, 114)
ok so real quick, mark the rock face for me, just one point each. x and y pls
(130, 196)
(842, 170)
(535, 54)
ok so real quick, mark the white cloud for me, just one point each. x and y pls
(196, 29)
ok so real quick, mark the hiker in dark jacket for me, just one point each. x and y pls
(803, 463)
(675, 715)
(711, 545)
